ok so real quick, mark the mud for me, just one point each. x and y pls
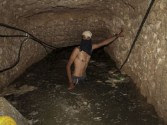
(106, 98)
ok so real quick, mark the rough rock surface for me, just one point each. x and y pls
(147, 63)
(7, 109)
(60, 23)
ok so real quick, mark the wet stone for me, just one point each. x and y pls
(14, 90)
(116, 102)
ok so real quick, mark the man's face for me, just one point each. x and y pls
(86, 38)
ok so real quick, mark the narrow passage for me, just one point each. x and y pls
(105, 99)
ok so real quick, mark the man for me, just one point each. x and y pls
(81, 56)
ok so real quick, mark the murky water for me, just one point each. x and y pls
(103, 100)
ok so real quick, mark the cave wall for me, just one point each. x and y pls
(61, 22)
(58, 23)
(147, 63)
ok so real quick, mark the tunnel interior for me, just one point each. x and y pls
(104, 98)
(126, 79)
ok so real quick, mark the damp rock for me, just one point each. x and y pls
(13, 90)
(85, 103)
(99, 81)
(112, 71)
(118, 78)
(33, 121)
(33, 113)
(97, 118)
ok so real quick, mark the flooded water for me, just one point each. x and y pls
(104, 99)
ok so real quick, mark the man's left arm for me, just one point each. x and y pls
(107, 41)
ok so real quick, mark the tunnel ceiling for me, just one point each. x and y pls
(55, 21)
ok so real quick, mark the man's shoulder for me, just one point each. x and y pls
(77, 48)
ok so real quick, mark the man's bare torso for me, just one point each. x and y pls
(80, 63)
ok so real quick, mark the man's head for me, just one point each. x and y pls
(86, 35)
(86, 42)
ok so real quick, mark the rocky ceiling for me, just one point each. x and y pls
(62, 21)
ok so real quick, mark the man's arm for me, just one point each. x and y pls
(106, 42)
(70, 62)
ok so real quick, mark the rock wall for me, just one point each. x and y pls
(147, 63)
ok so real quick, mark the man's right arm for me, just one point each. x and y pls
(70, 62)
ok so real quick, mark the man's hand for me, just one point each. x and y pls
(71, 86)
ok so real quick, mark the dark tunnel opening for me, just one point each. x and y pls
(106, 98)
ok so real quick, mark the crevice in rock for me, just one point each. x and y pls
(128, 4)
(56, 9)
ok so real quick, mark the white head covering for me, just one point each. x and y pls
(87, 34)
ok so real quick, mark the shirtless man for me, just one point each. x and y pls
(81, 56)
